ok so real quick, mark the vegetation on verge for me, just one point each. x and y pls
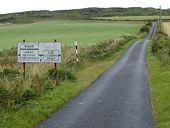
(161, 47)
(166, 28)
(158, 59)
(25, 102)
(159, 75)
(15, 90)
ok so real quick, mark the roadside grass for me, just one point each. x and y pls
(159, 75)
(36, 110)
(166, 28)
(132, 18)
(67, 32)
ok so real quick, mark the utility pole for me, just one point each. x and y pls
(160, 19)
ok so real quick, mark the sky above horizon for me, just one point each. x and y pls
(10, 6)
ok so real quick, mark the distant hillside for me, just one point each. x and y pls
(86, 13)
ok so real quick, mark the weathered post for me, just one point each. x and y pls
(77, 55)
(55, 69)
(160, 19)
(24, 64)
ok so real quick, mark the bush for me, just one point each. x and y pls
(10, 73)
(11, 92)
(6, 98)
(17, 91)
(70, 63)
(8, 52)
(104, 49)
(145, 28)
(62, 74)
(161, 47)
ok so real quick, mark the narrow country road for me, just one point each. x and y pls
(119, 98)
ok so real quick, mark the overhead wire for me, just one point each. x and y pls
(143, 3)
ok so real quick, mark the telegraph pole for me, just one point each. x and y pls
(160, 19)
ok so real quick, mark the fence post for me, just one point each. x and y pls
(77, 55)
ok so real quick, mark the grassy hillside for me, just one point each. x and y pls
(65, 31)
(132, 18)
(86, 13)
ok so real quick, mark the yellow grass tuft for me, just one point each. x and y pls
(166, 28)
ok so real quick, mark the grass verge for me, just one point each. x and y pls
(159, 75)
(36, 110)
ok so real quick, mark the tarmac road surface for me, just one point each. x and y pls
(119, 98)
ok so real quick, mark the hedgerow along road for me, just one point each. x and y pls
(119, 98)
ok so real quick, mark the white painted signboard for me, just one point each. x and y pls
(39, 52)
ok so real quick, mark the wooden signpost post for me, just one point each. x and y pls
(55, 69)
(24, 65)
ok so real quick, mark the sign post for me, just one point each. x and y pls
(24, 65)
(55, 69)
(34, 52)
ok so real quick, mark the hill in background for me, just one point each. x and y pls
(84, 14)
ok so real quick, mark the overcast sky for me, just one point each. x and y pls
(9, 6)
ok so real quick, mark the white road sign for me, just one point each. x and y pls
(39, 52)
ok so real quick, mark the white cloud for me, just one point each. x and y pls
(8, 6)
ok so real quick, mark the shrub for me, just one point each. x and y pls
(11, 92)
(61, 74)
(161, 47)
(104, 49)
(6, 98)
(9, 52)
(145, 28)
(10, 73)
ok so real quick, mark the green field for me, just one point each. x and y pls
(133, 18)
(65, 31)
